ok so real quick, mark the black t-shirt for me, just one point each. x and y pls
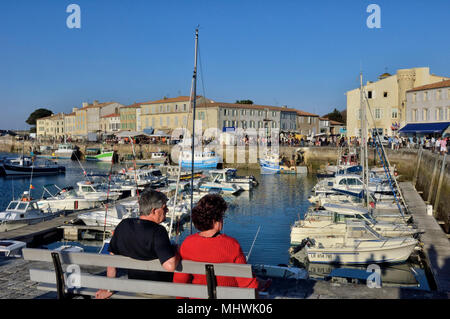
(143, 240)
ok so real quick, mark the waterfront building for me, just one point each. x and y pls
(324, 125)
(387, 100)
(87, 118)
(336, 127)
(170, 113)
(307, 123)
(50, 126)
(428, 105)
(110, 123)
(128, 118)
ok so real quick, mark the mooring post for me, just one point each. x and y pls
(441, 178)
(433, 178)
(417, 167)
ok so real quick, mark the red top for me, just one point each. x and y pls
(219, 249)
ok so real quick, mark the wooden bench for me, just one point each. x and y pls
(88, 284)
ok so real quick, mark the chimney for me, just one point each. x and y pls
(74, 109)
(95, 102)
(85, 104)
(284, 106)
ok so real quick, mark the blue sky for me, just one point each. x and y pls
(303, 54)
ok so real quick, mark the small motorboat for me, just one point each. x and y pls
(11, 248)
(24, 212)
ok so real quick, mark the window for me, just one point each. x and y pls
(184, 107)
(260, 124)
(425, 96)
(439, 114)
(414, 115)
(252, 124)
(160, 108)
(425, 115)
(378, 113)
(414, 98)
(438, 95)
(385, 94)
(224, 123)
(252, 112)
(274, 114)
(369, 94)
(394, 113)
(244, 124)
(243, 112)
(274, 124)
(225, 112)
(176, 107)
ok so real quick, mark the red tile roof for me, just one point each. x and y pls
(111, 115)
(172, 100)
(440, 84)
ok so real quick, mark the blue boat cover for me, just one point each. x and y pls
(430, 128)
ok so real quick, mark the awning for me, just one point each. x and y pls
(427, 128)
(124, 134)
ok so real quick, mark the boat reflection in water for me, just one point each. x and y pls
(410, 275)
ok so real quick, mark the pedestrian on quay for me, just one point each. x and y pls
(211, 245)
(443, 146)
(144, 238)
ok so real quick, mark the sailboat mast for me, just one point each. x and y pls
(193, 99)
(364, 162)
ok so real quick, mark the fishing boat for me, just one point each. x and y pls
(24, 166)
(270, 163)
(360, 245)
(204, 159)
(24, 212)
(99, 155)
(65, 199)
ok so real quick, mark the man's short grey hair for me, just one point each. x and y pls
(149, 200)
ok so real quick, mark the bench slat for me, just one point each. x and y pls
(91, 292)
(91, 259)
(146, 286)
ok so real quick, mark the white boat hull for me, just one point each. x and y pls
(389, 253)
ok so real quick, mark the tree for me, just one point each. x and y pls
(335, 116)
(39, 113)
(244, 102)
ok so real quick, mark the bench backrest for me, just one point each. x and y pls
(141, 286)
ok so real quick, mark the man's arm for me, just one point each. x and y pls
(103, 293)
(171, 263)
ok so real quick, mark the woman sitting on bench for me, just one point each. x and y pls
(210, 245)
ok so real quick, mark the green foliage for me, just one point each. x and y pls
(244, 102)
(335, 116)
(39, 113)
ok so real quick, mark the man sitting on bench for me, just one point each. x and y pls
(144, 239)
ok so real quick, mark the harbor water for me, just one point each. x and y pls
(260, 219)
